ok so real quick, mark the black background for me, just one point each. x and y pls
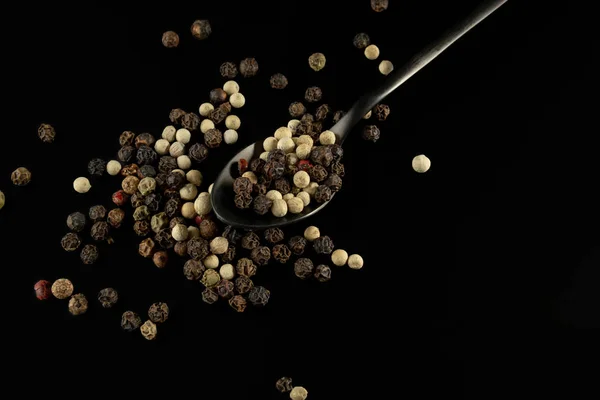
(479, 276)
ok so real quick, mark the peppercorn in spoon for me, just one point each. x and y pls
(222, 192)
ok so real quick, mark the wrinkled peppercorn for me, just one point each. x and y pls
(296, 109)
(308, 117)
(210, 278)
(257, 165)
(141, 228)
(225, 289)
(146, 155)
(318, 173)
(371, 133)
(137, 200)
(208, 229)
(130, 321)
(180, 249)
(144, 139)
(152, 201)
(228, 70)
(46, 133)
(172, 194)
(323, 194)
(317, 128)
(229, 255)
(97, 212)
(108, 297)
(243, 284)
(245, 267)
(217, 96)
(232, 235)
(125, 154)
(262, 205)
(238, 303)
(250, 241)
(361, 40)
(158, 312)
(198, 152)
(42, 289)
(175, 180)
(274, 169)
(89, 254)
(126, 138)
(276, 155)
(338, 115)
(379, 5)
(323, 245)
(141, 213)
(284, 384)
(261, 255)
(193, 269)
(338, 169)
(201, 29)
(322, 112)
(100, 231)
(172, 207)
(217, 115)
(159, 221)
(76, 221)
(210, 296)
(337, 151)
(259, 296)
(281, 253)
(273, 235)
(146, 248)
(147, 171)
(166, 164)
(96, 167)
(290, 170)
(120, 198)
(282, 185)
(160, 259)
(70, 242)
(176, 221)
(323, 273)
(297, 245)
(334, 182)
(213, 138)
(243, 200)
(242, 185)
(176, 114)
(381, 112)
(198, 248)
(313, 94)
(164, 239)
(78, 304)
(304, 128)
(278, 81)
(303, 268)
(248, 67)
(170, 39)
(321, 155)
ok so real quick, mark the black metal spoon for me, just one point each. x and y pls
(222, 191)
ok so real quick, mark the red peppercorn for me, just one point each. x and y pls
(198, 220)
(242, 165)
(42, 290)
(304, 165)
(120, 198)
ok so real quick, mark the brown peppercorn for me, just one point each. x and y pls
(303, 268)
(260, 189)
(166, 164)
(337, 151)
(338, 169)
(42, 289)
(210, 278)
(243, 200)
(159, 222)
(361, 41)
(257, 165)
(21, 176)
(245, 267)
(146, 248)
(261, 255)
(313, 94)
(180, 249)
(130, 321)
(217, 96)
(297, 245)
(381, 112)
(160, 259)
(323, 194)
(242, 185)
(296, 109)
(126, 138)
(273, 235)
(208, 229)
(46, 133)
(201, 29)
(282, 185)
(100, 231)
(228, 70)
(323, 273)
(97, 213)
(130, 170)
(172, 207)
(191, 121)
(125, 155)
(176, 114)
(78, 304)
(108, 297)
(232, 235)
(277, 156)
(321, 155)
(259, 296)
(250, 241)
(213, 138)
(274, 169)
(322, 112)
(238, 303)
(198, 152)
(170, 39)
(209, 295)
(198, 248)
(317, 173)
(284, 384)
(193, 269)
(217, 115)
(164, 239)
(120, 198)
(158, 312)
(229, 255)
(379, 5)
(144, 139)
(89, 254)
(281, 253)
(248, 67)
(130, 184)
(308, 117)
(243, 284)
(338, 115)
(278, 81)
(225, 289)
(333, 182)
(141, 228)
(148, 330)
(304, 128)
(70, 242)
(62, 288)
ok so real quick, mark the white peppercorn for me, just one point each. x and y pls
(169, 133)
(303, 151)
(188, 192)
(193, 232)
(305, 139)
(184, 162)
(311, 233)
(298, 393)
(2, 200)
(188, 210)
(291, 159)
(177, 149)
(230, 136)
(82, 185)
(194, 177)
(368, 115)
(279, 208)
(270, 143)
(205, 109)
(421, 164)
(286, 144)
(327, 137)
(355, 261)
(295, 205)
(206, 125)
(180, 232)
(233, 122)
(372, 52)
(219, 245)
(264, 156)
(385, 67)
(231, 87)
(339, 257)
(305, 197)
(274, 195)
(179, 171)
(301, 179)
(288, 196)
(211, 261)
(162, 146)
(147, 185)
(183, 136)
(293, 124)
(210, 187)
(311, 188)
(227, 272)
(113, 167)
(202, 205)
(237, 100)
(250, 175)
(283, 132)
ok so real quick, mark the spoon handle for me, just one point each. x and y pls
(421, 59)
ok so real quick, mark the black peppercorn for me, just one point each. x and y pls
(217, 115)
(225, 289)
(276, 155)
(108, 297)
(323, 273)
(381, 112)
(126, 138)
(166, 164)
(297, 244)
(242, 185)
(250, 241)
(97, 213)
(144, 139)
(130, 321)
(257, 165)
(164, 239)
(334, 182)
(317, 173)
(296, 109)
(175, 180)
(321, 155)
(262, 204)
(303, 268)
(217, 96)
(313, 94)
(201, 29)
(307, 118)
(242, 200)
(125, 154)
(278, 81)
(379, 5)
(158, 312)
(198, 152)
(281, 253)
(193, 269)
(198, 248)
(130, 170)
(323, 194)
(76, 221)
(317, 128)
(261, 255)
(243, 284)
(152, 201)
(172, 194)
(273, 235)
(323, 245)
(137, 200)
(89, 254)
(146, 155)
(259, 296)
(338, 169)
(96, 167)
(232, 235)
(238, 303)
(248, 67)
(176, 114)
(274, 169)
(100, 231)
(304, 128)
(282, 185)
(141, 228)
(147, 171)
(228, 70)
(46, 133)
(229, 255)
(213, 138)
(338, 115)
(70, 242)
(170, 39)
(172, 207)
(180, 249)
(245, 267)
(361, 41)
(210, 295)
(322, 112)
(284, 384)
(337, 151)
(208, 229)
(371, 133)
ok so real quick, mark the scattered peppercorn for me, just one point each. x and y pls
(381, 111)
(297, 244)
(317, 61)
(213, 138)
(228, 70)
(243, 284)
(371, 133)
(62, 288)
(217, 96)
(141, 228)
(248, 67)
(421, 163)
(217, 115)
(250, 241)
(76, 221)
(273, 235)
(229, 255)
(125, 154)
(259, 296)
(321, 155)
(175, 115)
(158, 312)
(238, 303)
(126, 138)
(42, 289)
(323, 273)
(245, 267)
(164, 239)
(278, 81)
(146, 248)
(303, 268)
(298, 393)
(323, 194)
(313, 94)
(210, 278)
(361, 40)
(337, 116)
(21, 176)
(160, 259)
(225, 289)
(210, 295)
(108, 297)
(153, 201)
(46, 133)
(100, 231)
(78, 304)
(70, 242)
(284, 384)
(89, 254)
(193, 269)
(242, 185)
(130, 321)
(379, 5)
(148, 330)
(296, 109)
(170, 39)
(198, 248)
(281, 253)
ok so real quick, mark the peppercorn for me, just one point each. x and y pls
(141, 228)
(323, 273)
(96, 167)
(225, 289)
(361, 40)
(152, 201)
(238, 303)
(355, 261)
(173, 222)
(232, 235)
(141, 213)
(125, 154)
(250, 241)
(42, 289)
(2, 200)
(259, 296)
(334, 183)
(372, 52)
(89, 254)
(175, 180)
(323, 194)
(228, 70)
(188, 210)
(62, 288)
(327, 138)
(261, 255)
(164, 239)
(193, 269)
(298, 393)
(147, 171)
(243, 200)
(318, 173)
(76, 221)
(100, 231)
(282, 253)
(217, 115)
(313, 94)
(213, 138)
(210, 296)
(211, 261)
(144, 139)
(158, 312)
(46, 133)
(175, 115)
(381, 111)
(78, 304)
(311, 188)
(297, 245)
(166, 164)
(245, 267)
(108, 297)
(160, 259)
(170, 39)
(201, 29)
(198, 248)
(146, 248)
(421, 164)
(146, 155)
(321, 155)
(248, 67)
(304, 196)
(130, 184)
(126, 138)
(337, 151)
(284, 384)
(180, 249)
(21, 177)
(229, 255)
(317, 61)
(137, 200)
(273, 235)
(217, 96)
(210, 278)
(242, 185)
(130, 321)
(296, 109)
(278, 81)
(172, 207)
(208, 229)
(148, 330)
(338, 168)
(282, 185)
